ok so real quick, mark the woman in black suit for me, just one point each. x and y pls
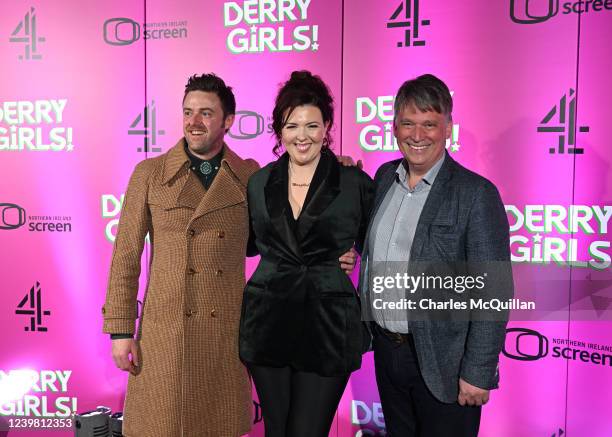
(301, 333)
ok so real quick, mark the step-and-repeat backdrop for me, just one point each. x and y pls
(89, 90)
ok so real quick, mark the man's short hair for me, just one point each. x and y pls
(212, 83)
(427, 93)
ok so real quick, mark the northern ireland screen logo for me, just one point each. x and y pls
(12, 216)
(533, 12)
(540, 11)
(524, 344)
(123, 31)
(247, 125)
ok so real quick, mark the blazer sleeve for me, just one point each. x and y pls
(251, 246)
(366, 194)
(487, 249)
(120, 309)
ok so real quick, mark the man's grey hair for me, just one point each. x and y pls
(427, 93)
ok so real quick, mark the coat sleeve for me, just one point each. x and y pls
(120, 309)
(487, 250)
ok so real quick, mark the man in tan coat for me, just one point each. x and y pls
(186, 378)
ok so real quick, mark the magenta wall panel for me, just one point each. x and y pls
(90, 90)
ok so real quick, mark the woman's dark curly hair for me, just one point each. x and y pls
(302, 88)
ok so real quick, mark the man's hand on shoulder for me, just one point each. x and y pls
(347, 161)
(471, 395)
(122, 349)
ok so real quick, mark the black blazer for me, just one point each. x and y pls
(300, 309)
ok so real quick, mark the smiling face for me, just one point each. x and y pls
(421, 137)
(204, 124)
(303, 134)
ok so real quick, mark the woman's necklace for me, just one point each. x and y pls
(295, 184)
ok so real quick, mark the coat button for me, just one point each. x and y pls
(190, 312)
(191, 271)
(213, 313)
(103, 310)
(221, 234)
(219, 273)
(191, 232)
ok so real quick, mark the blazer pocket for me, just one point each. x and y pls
(342, 287)
(443, 229)
(445, 244)
(446, 216)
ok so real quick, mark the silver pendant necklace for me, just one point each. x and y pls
(206, 168)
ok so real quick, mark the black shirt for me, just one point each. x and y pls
(204, 169)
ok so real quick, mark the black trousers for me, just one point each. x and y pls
(297, 404)
(409, 408)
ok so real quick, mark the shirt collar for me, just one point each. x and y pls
(176, 159)
(430, 176)
(215, 161)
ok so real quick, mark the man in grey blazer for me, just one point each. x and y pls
(433, 375)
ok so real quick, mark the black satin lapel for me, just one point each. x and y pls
(275, 189)
(324, 188)
(432, 204)
(277, 200)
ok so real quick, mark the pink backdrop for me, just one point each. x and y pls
(76, 81)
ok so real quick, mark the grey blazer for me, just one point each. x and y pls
(462, 220)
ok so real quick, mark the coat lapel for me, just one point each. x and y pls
(183, 185)
(324, 188)
(432, 204)
(277, 195)
(226, 190)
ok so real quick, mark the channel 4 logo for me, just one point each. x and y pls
(145, 124)
(247, 125)
(26, 33)
(525, 344)
(121, 31)
(405, 15)
(31, 305)
(12, 216)
(564, 123)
